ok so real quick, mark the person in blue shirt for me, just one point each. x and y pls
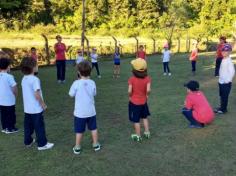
(116, 58)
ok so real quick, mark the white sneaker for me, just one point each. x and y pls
(99, 76)
(3, 131)
(59, 81)
(46, 147)
(30, 145)
(169, 74)
(164, 74)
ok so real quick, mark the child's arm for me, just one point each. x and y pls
(130, 90)
(148, 89)
(15, 90)
(38, 97)
(72, 91)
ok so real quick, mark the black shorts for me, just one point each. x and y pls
(81, 123)
(137, 112)
(117, 63)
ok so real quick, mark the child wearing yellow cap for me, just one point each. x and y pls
(139, 87)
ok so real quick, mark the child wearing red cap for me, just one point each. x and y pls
(219, 56)
(197, 109)
(226, 75)
(139, 88)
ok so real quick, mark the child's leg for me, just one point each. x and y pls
(28, 129)
(189, 116)
(114, 70)
(225, 91)
(146, 125)
(96, 66)
(92, 126)
(12, 118)
(137, 128)
(78, 139)
(167, 66)
(39, 129)
(118, 70)
(3, 117)
(164, 67)
(94, 136)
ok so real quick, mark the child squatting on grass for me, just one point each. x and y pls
(8, 94)
(84, 91)
(226, 75)
(34, 106)
(197, 110)
(139, 87)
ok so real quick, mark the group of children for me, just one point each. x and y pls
(197, 110)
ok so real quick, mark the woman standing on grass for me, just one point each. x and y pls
(60, 51)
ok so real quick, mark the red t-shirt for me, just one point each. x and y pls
(34, 56)
(139, 89)
(60, 50)
(219, 51)
(141, 54)
(194, 54)
(202, 111)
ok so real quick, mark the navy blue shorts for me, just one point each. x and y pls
(137, 112)
(117, 63)
(80, 124)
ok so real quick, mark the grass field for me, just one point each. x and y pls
(173, 150)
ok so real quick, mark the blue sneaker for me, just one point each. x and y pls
(195, 126)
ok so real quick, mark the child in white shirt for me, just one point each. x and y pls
(166, 60)
(34, 106)
(80, 57)
(8, 93)
(84, 90)
(94, 60)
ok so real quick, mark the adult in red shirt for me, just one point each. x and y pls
(193, 57)
(219, 56)
(197, 110)
(141, 53)
(60, 51)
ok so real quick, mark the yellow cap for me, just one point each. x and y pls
(139, 64)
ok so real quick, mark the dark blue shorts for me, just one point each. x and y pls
(117, 63)
(80, 124)
(137, 112)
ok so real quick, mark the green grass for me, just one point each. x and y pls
(174, 149)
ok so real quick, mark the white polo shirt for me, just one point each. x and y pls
(227, 71)
(30, 84)
(7, 82)
(94, 57)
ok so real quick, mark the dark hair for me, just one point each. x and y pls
(192, 85)
(4, 63)
(141, 46)
(27, 65)
(33, 48)
(84, 68)
(139, 74)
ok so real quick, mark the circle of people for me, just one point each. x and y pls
(197, 110)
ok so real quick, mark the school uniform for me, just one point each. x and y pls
(226, 75)
(7, 101)
(166, 60)
(84, 108)
(34, 120)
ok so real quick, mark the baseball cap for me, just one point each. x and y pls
(139, 64)
(192, 85)
(226, 47)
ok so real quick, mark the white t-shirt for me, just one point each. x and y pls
(84, 92)
(227, 71)
(30, 84)
(79, 59)
(94, 57)
(7, 82)
(166, 56)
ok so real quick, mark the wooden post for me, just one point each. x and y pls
(115, 40)
(87, 41)
(137, 43)
(178, 50)
(83, 27)
(154, 45)
(46, 48)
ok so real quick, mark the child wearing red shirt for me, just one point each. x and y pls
(219, 56)
(139, 87)
(141, 53)
(193, 57)
(33, 54)
(197, 110)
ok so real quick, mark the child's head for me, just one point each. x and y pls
(84, 68)
(79, 52)
(166, 46)
(139, 68)
(222, 39)
(4, 63)
(226, 50)
(33, 50)
(58, 38)
(192, 86)
(28, 65)
(141, 47)
(94, 50)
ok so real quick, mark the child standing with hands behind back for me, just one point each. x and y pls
(139, 88)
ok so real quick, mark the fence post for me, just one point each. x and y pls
(46, 48)
(154, 45)
(115, 40)
(178, 50)
(87, 42)
(137, 43)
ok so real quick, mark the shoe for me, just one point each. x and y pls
(99, 76)
(59, 81)
(169, 74)
(63, 82)
(147, 134)
(219, 111)
(14, 130)
(195, 126)
(164, 74)
(46, 147)
(30, 145)
(136, 137)
(97, 147)
(77, 150)
(3, 131)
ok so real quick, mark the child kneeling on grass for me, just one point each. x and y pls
(34, 106)
(197, 110)
(84, 90)
(139, 88)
